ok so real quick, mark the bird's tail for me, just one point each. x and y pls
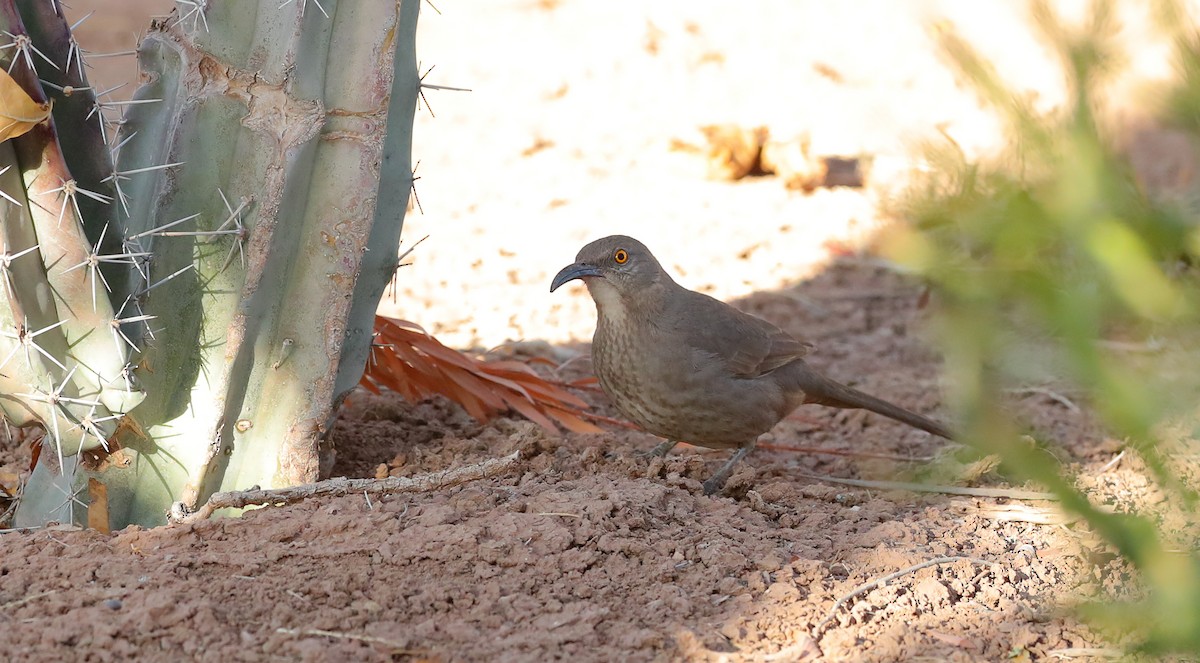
(821, 390)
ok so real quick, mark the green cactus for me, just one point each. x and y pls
(197, 288)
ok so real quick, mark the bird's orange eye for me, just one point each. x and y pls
(621, 256)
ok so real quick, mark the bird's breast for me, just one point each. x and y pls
(667, 388)
(628, 369)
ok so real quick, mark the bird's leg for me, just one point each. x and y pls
(661, 450)
(717, 480)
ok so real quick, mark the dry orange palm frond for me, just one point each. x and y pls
(410, 362)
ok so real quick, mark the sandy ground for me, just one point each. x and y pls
(577, 126)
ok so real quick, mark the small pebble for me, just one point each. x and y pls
(113, 604)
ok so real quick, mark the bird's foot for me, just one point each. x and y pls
(714, 485)
(659, 451)
(717, 481)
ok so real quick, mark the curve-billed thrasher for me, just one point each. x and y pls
(689, 368)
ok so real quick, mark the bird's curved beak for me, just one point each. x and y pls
(572, 272)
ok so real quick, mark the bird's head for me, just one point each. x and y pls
(614, 265)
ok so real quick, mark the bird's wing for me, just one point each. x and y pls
(749, 346)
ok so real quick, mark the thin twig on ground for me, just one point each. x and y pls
(1024, 513)
(397, 648)
(1048, 393)
(9, 512)
(803, 650)
(1152, 346)
(879, 582)
(1085, 652)
(579, 357)
(19, 602)
(845, 452)
(343, 486)
(1116, 460)
(1009, 493)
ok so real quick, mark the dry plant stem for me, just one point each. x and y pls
(1013, 494)
(7, 514)
(1152, 346)
(343, 486)
(1024, 513)
(879, 582)
(846, 452)
(397, 648)
(12, 604)
(1116, 460)
(1085, 652)
(1048, 393)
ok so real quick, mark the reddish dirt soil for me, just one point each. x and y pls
(589, 551)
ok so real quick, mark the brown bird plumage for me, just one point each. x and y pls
(690, 368)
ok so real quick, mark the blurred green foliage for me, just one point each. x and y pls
(1048, 257)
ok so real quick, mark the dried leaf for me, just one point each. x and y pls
(477, 387)
(370, 386)
(35, 452)
(412, 363)
(512, 365)
(572, 422)
(546, 389)
(100, 459)
(18, 111)
(470, 403)
(530, 412)
(98, 506)
(9, 483)
(974, 471)
(619, 423)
